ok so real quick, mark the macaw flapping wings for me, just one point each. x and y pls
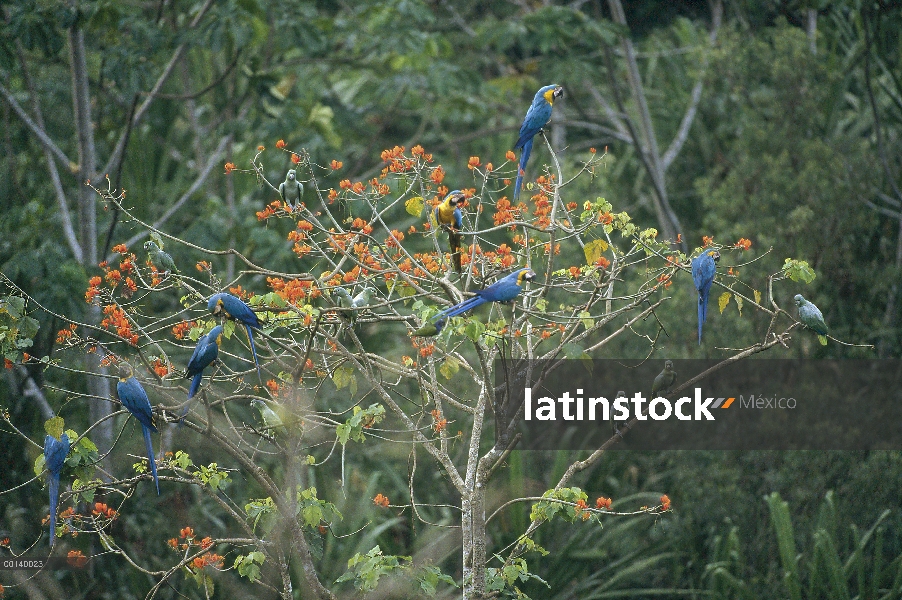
(234, 308)
(55, 452)
(448, 215)
(504, 290)
(205, 352)
(134, 398)
(664, 381)
(703, 268)
(291, 190)
(159, 259)
(537, 117)
(811, 317)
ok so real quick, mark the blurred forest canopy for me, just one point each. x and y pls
(778, 122)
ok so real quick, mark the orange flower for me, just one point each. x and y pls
(381, 500)
(295, 158)
(261, 148)
(4, 542)
(173, 543)
(592, 150)
(602, 262)
(182, 329)
(417, 150)
(120, 249)
(186, 532)
(744, 244)
(272, 385)
(510, 155)
(202, 266)
(665, 502)
(580, 506)
(473, 162)
(280, 144)
(7, 363)
(437, 175)
(229, 167)
(603, 502)
(76, 558)
(336, 165)
(206, 542)
(707, 240)
(160, 368)
(574, 272)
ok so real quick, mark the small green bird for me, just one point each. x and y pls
(811, 317)
(363, 298)
(271, 420)
(664, 381)
(291, 190)
(345, 301)
(159, 259)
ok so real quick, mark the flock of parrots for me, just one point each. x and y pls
(448, 215)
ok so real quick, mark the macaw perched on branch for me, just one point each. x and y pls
(448, 215)
(503, 290)
(161, 260)
(703, 268)
(811, 317)
(233, 308)
(55, 452)
(291, 190)
(134, 398)
(206, 351)
(664, 381)
(537, 117)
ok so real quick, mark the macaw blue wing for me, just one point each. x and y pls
(537, 117)
(704, 267)
(134, 398)
(55, 452)
(235, 308)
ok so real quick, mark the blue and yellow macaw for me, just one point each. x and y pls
(234, 308)
(537, 117)
(55, 452)
(811, 317)
(503, 290)
(448, 215)
(134, 398)
(703, 268)
(205, 352)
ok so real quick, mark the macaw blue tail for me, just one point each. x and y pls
(153, 463)
(459, 309)
(250, 338)
(195, 383)
(53, 484)
(524, 158)
(702, 313)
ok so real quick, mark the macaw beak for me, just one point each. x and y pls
(529, 275)
(558, 93)
(715, 255)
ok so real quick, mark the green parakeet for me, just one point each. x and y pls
(161, 260)
(291, 190)
(811, 317)
(271, 421)
(664, 381)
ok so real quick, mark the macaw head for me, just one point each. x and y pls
(668, 365)
(714, 254)
(290, 176)
(455, 197)
(214, 304)
(151, 247)
(525, 275)
(125, 371)
(551, 93)
(799, 300)
(216, 335)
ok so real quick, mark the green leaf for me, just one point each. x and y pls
(343, 377)
(723, 300)
(738, 300)
(757, 296)
(449, 367)
(798, 270)
(228, 328)
(594, 250)
(55, 426)
(586, 318)
(414, 206)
